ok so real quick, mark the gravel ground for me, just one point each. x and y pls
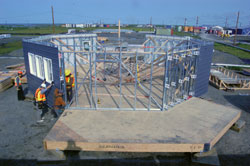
(21, 137)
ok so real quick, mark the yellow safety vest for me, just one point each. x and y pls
(39, 96)
(20, 81)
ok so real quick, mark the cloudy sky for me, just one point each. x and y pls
(213, 12)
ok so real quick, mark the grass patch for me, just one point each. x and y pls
(246, 46)
(186, 34)
(231, 50)
(34, 30)
(9, 47)
(234, 68)
(58, 29)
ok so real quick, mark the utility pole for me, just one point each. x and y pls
(53, 19)
(226, 23)
(151, 23)
(236, 28)
(197, 21)
(119, 30)
(185, 22)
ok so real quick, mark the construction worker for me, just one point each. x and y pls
(18, 85)
(70, 83)
(58, 102)
(40, 98)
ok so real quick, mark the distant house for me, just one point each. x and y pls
(198, 29)
(80, 26)
(228, 31)
(216, 30)
(242, 31)
(246, 31)
(68, 25)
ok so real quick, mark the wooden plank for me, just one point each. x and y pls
(188, 127)
(225, 129)
(17, 66)
(122, 147)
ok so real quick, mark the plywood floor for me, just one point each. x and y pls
(192, 126)
(109, 95)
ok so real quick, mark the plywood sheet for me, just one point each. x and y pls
(192, 126)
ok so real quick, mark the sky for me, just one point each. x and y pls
(167, 12)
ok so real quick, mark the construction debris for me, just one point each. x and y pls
(238, 125)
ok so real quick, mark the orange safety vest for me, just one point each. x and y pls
(20, 81)
(67, 79)
(39, 96)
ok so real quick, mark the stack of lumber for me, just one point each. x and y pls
(7, 78)
(13, 74)
(16, 67)
(102, 38)
(5, 83)
(13, 70)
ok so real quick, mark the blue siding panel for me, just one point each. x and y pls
(203, 70)
(33, 81)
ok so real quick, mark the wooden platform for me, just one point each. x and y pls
(192, 126)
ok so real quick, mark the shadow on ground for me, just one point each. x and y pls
(225, 160)
(241, 102)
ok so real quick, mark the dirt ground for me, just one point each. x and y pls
(21, 137)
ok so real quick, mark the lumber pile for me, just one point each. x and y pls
(7, 78)
(225, 79)
(16, 67)
(12, 74)
(102, 38)
(5, 83)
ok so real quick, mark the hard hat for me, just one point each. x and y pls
(67, 72)
(43, 85)
(20, 72)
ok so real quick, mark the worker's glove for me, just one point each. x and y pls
(52, 82)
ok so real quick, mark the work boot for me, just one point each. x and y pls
(40, 121)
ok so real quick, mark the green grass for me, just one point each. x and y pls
(58, 29)
(9, 47)
(246, 46)
(34, 30)
(234, 68)
(234, 51)
(186, 34)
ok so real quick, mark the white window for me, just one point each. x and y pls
(32, 63)
(48, 72)
(39, 67)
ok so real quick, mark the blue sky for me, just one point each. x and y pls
(213, 12)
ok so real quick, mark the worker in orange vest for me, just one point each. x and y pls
(18, 85)
(40, 98)
(70, 84)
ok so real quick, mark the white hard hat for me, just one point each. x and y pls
(43, 85)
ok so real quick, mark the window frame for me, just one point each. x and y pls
(48, 69)
(39, 67)
(32, 63)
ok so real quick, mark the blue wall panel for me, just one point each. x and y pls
(33, 81)
(203, 70)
